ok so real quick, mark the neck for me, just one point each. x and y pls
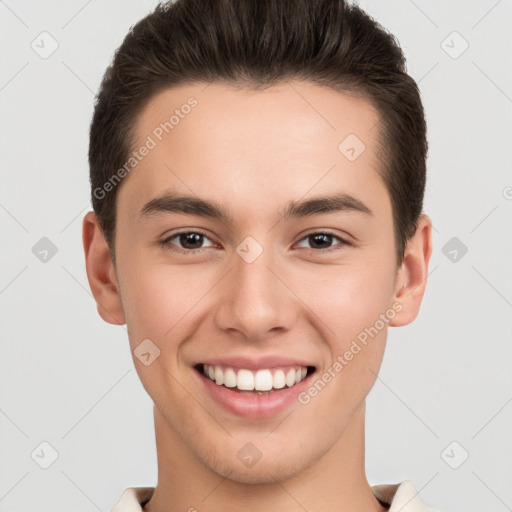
(335, 481)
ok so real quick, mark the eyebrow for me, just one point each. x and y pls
(193, 205)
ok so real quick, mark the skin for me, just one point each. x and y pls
(253, 152)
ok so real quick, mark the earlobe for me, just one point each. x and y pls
(412, 277)
(101, 272)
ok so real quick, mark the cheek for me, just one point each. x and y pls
(350, 298)
(351, 305)
(157, 298)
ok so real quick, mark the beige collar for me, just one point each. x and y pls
(401, 497)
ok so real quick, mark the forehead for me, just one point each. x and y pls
(254, 148)
(234, 114)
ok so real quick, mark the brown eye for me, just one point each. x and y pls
(191, 240)
(188, 242)
(321, 242)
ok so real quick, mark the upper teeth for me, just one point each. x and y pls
(262, 380)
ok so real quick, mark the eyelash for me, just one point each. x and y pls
(166, 243)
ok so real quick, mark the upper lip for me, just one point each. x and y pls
(256, 363)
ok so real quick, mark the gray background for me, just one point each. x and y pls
(67, 378)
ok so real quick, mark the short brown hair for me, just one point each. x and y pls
(258, 43)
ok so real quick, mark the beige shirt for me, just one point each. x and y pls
(399, 497)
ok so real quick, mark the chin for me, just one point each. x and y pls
(261, 473)
(269, 469)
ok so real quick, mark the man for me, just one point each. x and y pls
(257, 178)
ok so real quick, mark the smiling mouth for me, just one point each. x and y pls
(255, 382)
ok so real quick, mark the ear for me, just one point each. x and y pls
(412, 275)
(101, 272)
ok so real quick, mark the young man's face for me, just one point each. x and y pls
(259, 285)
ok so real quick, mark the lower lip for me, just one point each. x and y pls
(254, 406)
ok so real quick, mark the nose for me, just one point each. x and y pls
(256, 301)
